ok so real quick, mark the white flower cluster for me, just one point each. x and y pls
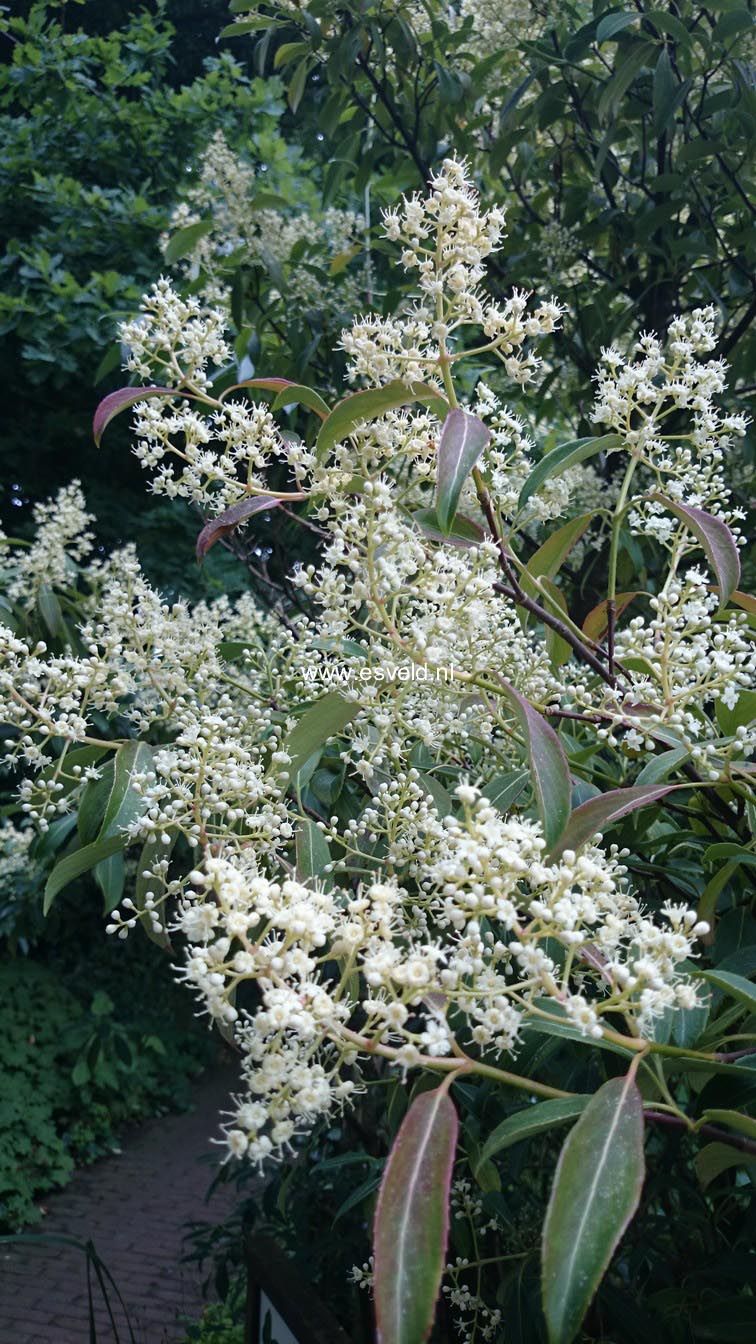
(650, 402)
(447, 239)
(175, 338)
(495, 933)
(230, 197)
(63, 538)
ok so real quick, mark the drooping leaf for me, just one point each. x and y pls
(548, 765)
(184, 240)
(369, 405)
(79, 862)
(613, 24)
(463, 438)
(412, 1220)
(324, 719)
(232, 517)
(120, 400)
(532, 1120)
(601, 811)
(564, 456)
(49, 609)
(596, 1191)
(730, 853)
(715, 538)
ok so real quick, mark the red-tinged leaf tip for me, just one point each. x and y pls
(231, 518)
(601, 811)
(411, 1227)
(715, 538)
(120, 400)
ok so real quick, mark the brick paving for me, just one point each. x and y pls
(134, 1208)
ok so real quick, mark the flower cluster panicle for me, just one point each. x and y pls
(175, 338)
(663, 405)
(63, 538)
(447, 241)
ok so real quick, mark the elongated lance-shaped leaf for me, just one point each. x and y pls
(550, 557)
(532, 1120)
(324, 719)
(596, 1191)
(412, 1220)
(736, 986)
(297, 395)
(591, 816)
(79, 862)
(233, 517)
(560, 459)
(120, 400)
(463, 532)
(124, 805)
(715, 538)
(548, 764)
(369, 405)
(312, 852)
(462, 441)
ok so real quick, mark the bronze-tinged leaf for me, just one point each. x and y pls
(233, 517)
(548, 765)
(120, 400)
(412, 1220)
(601, 811)
(715, 538)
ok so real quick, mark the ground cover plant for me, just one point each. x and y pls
(447, 818)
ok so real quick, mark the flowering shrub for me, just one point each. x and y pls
(374, 822)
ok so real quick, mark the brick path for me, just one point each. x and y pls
(133, 1207)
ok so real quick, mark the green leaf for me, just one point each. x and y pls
(729, 853)
(715, 538)
(531, 1120)
(297, 86)
(184, 240)
(463, 438)
(745, 1124)
(548, 764)
(152, 886)
(660, 767)
(326, 718)
(717, 1158)
(124, 805)
(504, 790)
(412, 1220)
(48, 607)
(630, 60)
(736, 986)
(560, 459)
(613, 24)
(550, 557)
(295, 394)
(596, 1191)
(369, 405)
(79, 862)
(601, 811)
(463, 531)
(443, 801)
(313, 854)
